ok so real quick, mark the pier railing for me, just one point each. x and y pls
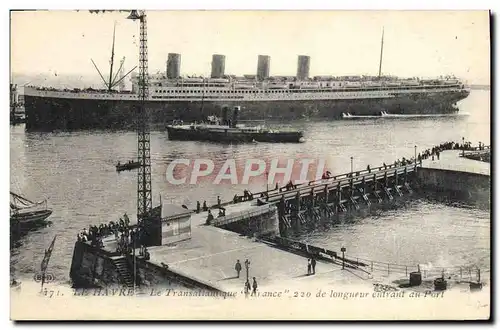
(242, 215)
(342, 181)
(373, 267)
(482, 148)
(348, 176)
(459, 273)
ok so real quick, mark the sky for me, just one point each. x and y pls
(416, 43)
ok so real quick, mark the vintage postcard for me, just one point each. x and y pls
(250, 165)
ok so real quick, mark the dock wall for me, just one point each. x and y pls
(462, 184)
(92, 266)
(154, 275)
(260, 220)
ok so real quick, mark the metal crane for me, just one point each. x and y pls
(144, 198)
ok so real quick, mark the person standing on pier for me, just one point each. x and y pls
(210, 217)
(308, 266)
(254, 286)
(126, 219)
(313, 265)
(237, 267)
(247, 288)
(218, 201)
(205, 206)
(198, 207)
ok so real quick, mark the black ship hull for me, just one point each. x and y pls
(49, 113)
(24, 221)
(182, 134)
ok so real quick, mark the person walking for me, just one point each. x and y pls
(237, 267)
(313, 265)
(254, 286)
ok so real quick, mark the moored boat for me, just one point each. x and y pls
(25, 214)
(226, 130)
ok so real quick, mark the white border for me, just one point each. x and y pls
(187, 4)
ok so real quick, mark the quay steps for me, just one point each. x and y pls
(124, 272)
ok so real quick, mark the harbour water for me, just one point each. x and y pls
(75, 171)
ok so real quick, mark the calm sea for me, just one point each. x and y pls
(76, 173)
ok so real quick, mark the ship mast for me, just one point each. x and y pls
(110, 84)
(381, 54)
(112, 81)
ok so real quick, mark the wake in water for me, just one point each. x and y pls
(386, 115)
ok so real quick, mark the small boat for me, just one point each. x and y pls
(351, 116)
(225, 130)
(127, 166)
(25, 214)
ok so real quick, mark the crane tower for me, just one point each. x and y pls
(144, 198)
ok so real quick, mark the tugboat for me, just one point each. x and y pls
(25, 214)
(127, 166)
(226, 130)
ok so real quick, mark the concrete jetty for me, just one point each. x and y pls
(210, 255)
(202, 254)
(458, 175)
(452, 160)
(212, 252)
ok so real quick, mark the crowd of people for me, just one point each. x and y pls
(77, 90)
(210, 216)
(435, 152)
(126, 237)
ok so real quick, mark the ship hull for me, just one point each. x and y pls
(22, 222)
(218, 136)
(52, 113)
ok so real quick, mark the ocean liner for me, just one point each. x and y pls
(173, 97)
